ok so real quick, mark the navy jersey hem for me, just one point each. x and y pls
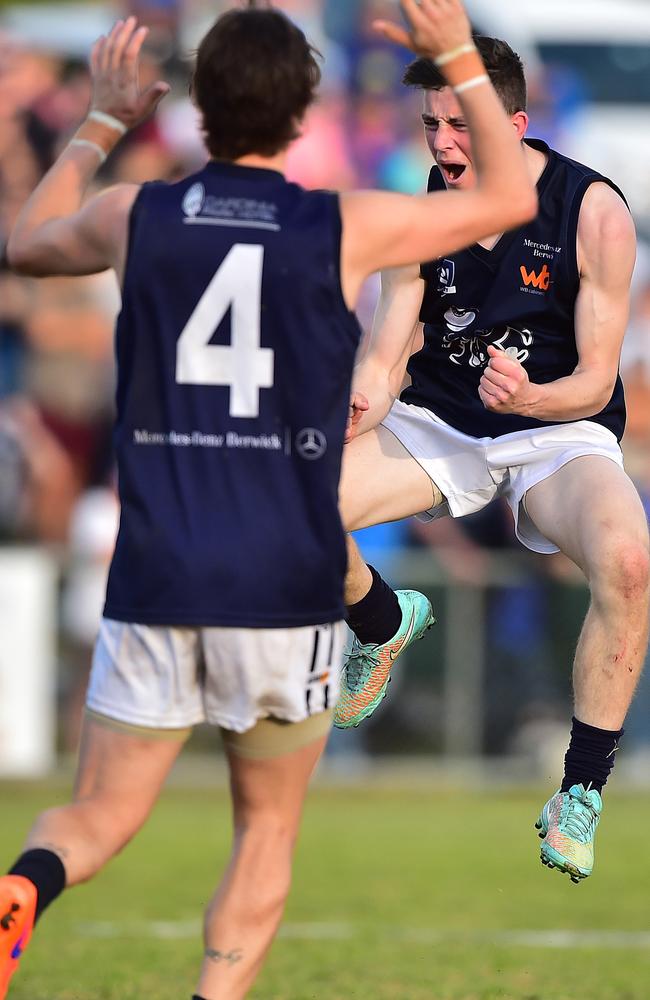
(171, 619)
(509, 423)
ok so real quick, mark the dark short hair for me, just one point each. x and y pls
(504, 67)
(254, 78)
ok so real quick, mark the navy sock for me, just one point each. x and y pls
(590, 756)
(377, 616)
(45, 869)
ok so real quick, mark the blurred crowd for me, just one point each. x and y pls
(56, 351)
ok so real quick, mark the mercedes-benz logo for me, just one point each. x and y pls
(311, 443)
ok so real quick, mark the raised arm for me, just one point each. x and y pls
(606, 254)
(54, 233)
(382, 230)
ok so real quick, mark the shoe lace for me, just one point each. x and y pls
(578, 817)
(361, 662)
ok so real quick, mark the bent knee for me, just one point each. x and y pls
(624, 571)
(634, 571)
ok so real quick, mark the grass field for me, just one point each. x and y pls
(398, 895)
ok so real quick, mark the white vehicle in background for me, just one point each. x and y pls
(606, 45)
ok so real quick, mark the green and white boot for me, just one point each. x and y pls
(567, 825)
(366, 672)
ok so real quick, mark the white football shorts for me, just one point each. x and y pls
(174, 677)
(470, 472)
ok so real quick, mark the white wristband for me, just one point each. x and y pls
(475, 81)
(109, 120)
(96, 148)
(448, 57)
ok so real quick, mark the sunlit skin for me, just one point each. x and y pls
(448, 137)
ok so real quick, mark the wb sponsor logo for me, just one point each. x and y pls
(540, 281)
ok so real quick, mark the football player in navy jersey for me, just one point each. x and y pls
(225, 595)
(513, 348)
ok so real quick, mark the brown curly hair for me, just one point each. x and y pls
(255, 76)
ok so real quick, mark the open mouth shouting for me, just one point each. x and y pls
(452, 172)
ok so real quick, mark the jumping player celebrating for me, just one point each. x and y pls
(514, 392)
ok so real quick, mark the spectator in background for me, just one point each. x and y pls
(38, 477)
(321, 157)
(163, 18)
(14, 303)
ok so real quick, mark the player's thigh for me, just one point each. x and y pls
(269, 789)
(381, 481)
(122, 769)
(590, 509)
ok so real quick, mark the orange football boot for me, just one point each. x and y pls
(17, 910)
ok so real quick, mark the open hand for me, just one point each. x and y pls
(436, 27)
(358, 405)
(114, 68)
(504, 385)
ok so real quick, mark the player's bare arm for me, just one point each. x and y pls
(606, 255)
(56, 233)
(390, 230)
(379, 374)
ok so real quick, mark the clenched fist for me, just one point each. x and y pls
(504, 385)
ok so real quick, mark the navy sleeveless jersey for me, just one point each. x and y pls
(234, 353)
(520, 296)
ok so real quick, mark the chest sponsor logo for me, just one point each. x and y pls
(536, 278)
(545, 251)
(539, 280)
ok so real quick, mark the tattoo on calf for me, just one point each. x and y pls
(231, 957)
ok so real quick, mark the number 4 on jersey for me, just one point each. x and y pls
(243, 365)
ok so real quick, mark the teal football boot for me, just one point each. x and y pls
(366, 672)
(567, 826)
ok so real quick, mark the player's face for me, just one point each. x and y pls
(448, 138)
